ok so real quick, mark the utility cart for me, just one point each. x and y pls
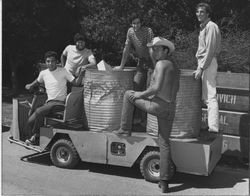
(68, 141)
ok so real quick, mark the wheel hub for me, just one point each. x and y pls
(154, 168)
(62, 154)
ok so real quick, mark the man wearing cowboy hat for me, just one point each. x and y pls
(158, 100)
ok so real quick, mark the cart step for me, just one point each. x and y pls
(21, 143)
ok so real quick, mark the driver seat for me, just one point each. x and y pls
(73, 110)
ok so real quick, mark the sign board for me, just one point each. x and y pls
(233, 123)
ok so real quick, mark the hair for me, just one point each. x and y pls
(134, 16)
(50, 54)
(78, 37)
(206, 6)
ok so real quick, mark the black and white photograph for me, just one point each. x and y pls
(125, 97)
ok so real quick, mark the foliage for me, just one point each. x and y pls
(235, 53)
(107, 23)
(31, 27)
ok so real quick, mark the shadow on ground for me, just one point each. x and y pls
(44, 159)
(218, 179)
(221, 178)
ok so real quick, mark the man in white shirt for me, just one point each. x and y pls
(207, 52)
(55, 80)
(76, 56)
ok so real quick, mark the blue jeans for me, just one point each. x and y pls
(141, 82)
(164, 112)
(36, 120)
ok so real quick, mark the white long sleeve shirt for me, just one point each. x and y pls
(209, 44)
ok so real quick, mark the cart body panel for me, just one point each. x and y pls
(192, 156)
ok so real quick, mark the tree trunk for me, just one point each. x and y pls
(14, 79)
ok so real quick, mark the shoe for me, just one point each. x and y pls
(163, 185)
(34, 140)
(122, 132)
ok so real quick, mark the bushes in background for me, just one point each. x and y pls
(30, 27)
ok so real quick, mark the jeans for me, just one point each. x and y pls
(141, 82)
(209, 95)
(164, 112)
(36, 120)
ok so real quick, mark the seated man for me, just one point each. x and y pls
(54, 79)
(76, 56)
(158, 99)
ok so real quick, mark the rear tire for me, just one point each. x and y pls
(63, 154)
(150, 167)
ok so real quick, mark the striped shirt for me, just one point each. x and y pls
(209, 44)
(138, 41)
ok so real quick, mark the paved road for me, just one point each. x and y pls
(39, 177)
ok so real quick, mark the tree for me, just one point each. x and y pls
(31, 27)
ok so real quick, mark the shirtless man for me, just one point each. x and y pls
(158, 100)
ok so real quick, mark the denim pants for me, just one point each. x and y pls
(164, 112)
(141, 82)
(36, 120)
(209, 95)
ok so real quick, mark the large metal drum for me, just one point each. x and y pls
(187, 121)
(103, 97)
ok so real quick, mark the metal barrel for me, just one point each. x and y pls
(103, 97)
(187, 121)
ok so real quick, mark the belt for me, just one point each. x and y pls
(56, 101)
(144, 64)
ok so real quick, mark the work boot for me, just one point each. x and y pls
(34, 140)
(163, 185)
(122, 132)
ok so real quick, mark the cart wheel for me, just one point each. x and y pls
(63, 154)
(150, 167)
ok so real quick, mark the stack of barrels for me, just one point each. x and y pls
(103, 98)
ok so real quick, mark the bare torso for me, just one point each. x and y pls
(170, 82)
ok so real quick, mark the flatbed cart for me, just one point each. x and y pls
(68, 143)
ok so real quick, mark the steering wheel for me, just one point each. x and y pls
(36, 91)
(39, 90)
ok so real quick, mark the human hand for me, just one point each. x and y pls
(27, 86)
(80, 70)
(136, 95)
(197, 74)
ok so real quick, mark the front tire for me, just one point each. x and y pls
(150, 167)
(63, 154)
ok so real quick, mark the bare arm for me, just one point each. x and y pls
(125, 55)
(91, 64)
(63, 60)
(78, 81)
(151, 56)
(32, 85)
